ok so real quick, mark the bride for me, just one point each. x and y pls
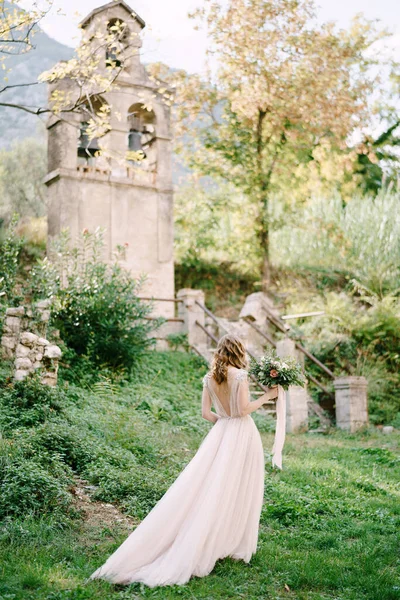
(212, 510)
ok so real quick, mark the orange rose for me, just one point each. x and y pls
(273, 373)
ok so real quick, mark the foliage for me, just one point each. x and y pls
(214, 224)
(225, 286)
(27, 487)
(32, 479)
(177, 341)
(249, 121)
(356, 338)
(18, 27)
(10, 248)
(95, 305)
(271, 370)
(28, 403)
(361, 238)
(22, 170)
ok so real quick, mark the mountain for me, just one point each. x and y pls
(16, 124)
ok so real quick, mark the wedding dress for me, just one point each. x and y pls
(211, 511)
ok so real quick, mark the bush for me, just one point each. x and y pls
(10, 248)
(95, 305)
(29, 402)
(360, 335)
(63, 440)
(27, 487)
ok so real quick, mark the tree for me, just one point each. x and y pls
(87, 74)
(283, 86)
(22, 169)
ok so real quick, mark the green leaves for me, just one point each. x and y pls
(10, 249)
(95, 305)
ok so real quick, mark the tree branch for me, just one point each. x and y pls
(16, 85)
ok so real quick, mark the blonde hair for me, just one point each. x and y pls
(230, 351)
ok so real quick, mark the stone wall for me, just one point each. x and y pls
(24, 342)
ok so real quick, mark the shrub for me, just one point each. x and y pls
(10, 248)
(136, 490)
(66, 441)
(29, 402)
(360, 335)
(27, 487)
(95, 305)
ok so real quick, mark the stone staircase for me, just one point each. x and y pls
(258, 321)
(261, 327)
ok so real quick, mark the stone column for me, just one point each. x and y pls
(296, 396)
(191, 313)
(351, 402)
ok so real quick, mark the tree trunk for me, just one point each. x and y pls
(266, 265)
(264, 181)
(262, 193)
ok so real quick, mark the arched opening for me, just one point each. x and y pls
(117, 40)
(142, 135)
(92, 121)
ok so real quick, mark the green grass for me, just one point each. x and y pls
(329, 525)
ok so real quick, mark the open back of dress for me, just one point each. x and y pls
(225, 396)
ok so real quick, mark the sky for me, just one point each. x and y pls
(169, 34)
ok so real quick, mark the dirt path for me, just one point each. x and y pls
(96, 513)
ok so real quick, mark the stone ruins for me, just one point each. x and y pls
(23, 342)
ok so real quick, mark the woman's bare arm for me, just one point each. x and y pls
(206, 411)
(247, 406)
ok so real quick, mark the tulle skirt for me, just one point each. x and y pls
(211, 511)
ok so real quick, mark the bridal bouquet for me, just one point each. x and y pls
(271, 370)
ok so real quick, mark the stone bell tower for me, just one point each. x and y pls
(132, 201)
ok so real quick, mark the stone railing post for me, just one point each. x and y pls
(191, 313)
(296, 396)
(351, 402)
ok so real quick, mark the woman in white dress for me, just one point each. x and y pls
(212, 510)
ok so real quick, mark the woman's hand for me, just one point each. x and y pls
(271, 394)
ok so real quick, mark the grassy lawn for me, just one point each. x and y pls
(329, 526)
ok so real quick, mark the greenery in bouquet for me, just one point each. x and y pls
(271, 370)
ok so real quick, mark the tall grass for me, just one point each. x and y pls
(361, 238)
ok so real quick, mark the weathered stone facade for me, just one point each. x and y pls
(132, 203)
(30, 351)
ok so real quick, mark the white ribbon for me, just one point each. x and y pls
(280, 430)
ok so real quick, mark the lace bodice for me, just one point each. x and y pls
(237, 379)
